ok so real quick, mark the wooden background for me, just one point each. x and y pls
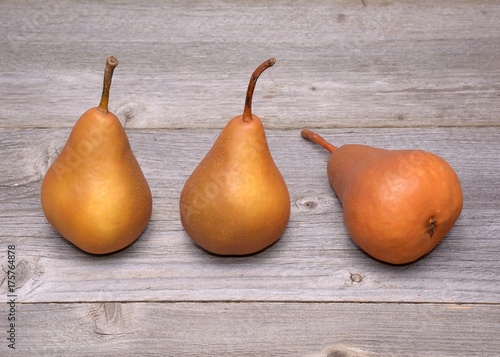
(392, 74)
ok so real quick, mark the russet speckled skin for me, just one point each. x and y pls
(236, 201)
(398, 205)
(95, 194)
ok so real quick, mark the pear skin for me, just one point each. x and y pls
(397, 204)
(95, 193)
(236, 201)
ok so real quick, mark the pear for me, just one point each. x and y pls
(94, 193)
(236, 201)
(397, 204)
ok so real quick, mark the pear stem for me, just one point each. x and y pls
(247, 111)
(111, 63)
(317, 139)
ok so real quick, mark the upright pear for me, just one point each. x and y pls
(94, 193)
(236, 201)
(397, 204)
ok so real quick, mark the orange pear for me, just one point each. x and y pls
(236, 201)
(397, 204)
(94, 193)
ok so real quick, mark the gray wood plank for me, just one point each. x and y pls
(314, 261)
(187, 64)
(393, 74)
(257, 329)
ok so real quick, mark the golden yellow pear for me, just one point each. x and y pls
(236, 201)
(95, 193)
(397, 204)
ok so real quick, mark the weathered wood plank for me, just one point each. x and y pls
(421, 74)
(257, 329)
(315, 259)
(186, 65)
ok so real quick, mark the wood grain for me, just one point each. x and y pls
(314, 261)
(261, 329)
(348, 64)
(392, 74)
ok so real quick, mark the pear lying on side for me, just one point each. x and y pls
(398, 204)
(236, 202)
(94, 193)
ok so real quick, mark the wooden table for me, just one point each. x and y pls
(392, 74)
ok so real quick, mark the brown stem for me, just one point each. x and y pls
(247, 111)
(315, 138)
(111, 63)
